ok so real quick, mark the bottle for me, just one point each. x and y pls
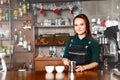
(15, 12)
(29, 24)
(20, 13)
(20, 39)
(7, 15)
(1, 17)
(4, 1)
(3, 64)
(50, 51)
(25, 42)
(24, 7)
(29, 47)
(54, 51)
(8, 1)
(61, 52)
(98, 21)
(28, 6)
(25, 67)
(15, 36)
(108, 22)
(30, 66)
(1, 2)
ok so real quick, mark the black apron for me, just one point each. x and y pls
(78, 53)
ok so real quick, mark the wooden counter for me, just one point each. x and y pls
(42, 75)
(41, 62)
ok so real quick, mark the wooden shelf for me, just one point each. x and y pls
(25, 17)
(19, 49)
(55, 26)
(50, 43)
(47, 58)
(4, 22)
(5, 6)
(5, 39)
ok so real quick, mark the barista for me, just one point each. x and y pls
(82, 48)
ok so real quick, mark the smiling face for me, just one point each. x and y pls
(80, 26)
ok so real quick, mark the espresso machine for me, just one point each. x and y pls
(118, 42)
(114, 32)
(111, 45)
(116, 69)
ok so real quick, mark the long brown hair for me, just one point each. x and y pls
(85, 18)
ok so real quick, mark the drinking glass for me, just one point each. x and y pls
(72, 66)
(106, 63)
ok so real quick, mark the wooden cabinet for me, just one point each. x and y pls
(41, 62)
(22, 27)
(5, 25)
(51, 39)
(55, 36)
(5, 31)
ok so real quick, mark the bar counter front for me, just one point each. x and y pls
(66, 75)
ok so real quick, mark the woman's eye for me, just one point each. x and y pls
(81, 24)
(78, 25)
(75, 25)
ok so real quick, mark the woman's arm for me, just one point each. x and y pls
(86, 67)
(65, 61)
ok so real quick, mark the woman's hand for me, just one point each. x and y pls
(86, 67)
(65, 61)
(80, 68)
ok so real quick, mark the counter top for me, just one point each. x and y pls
(42, 75)
(48, 58)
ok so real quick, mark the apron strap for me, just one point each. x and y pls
(71, 42)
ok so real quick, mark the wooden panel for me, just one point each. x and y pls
(22, 57)
(41, 62)
(20, 49)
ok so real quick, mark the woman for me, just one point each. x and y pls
(82, 41)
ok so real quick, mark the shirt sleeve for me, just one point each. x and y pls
(95, 52)
(66, 55)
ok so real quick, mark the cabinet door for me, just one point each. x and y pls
(40, 63)
(5, 24)
(5, 29)
(22, 32)
(23, 58)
